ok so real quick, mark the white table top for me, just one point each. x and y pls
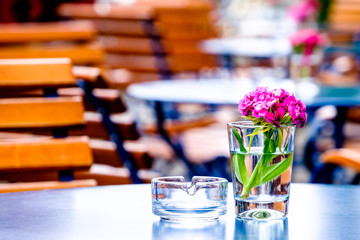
(229, 92)
(247, 47)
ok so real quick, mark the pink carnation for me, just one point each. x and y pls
(305, 41)
(304, 10)
(273, 106)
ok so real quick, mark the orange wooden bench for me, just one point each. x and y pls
(59, 73)
(38, 155)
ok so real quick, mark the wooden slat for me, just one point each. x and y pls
(36, 72)
(31, 32)
(45, 153)
(90, 74)
(35, 186)
(95, 128)
(87, 53)
(134, 62)
(345, 8)
(105, 153)
(348, 27)
(121, 78)
(190, 62)
(186, 62)
(83, 10)
(111, 98)
(181, 46)
(41, 112)
(127, 45)
(342, 157)
(108, 175)
(176, 127)
(183, 31)
(120, 27)
(345, 18)
(186, 15)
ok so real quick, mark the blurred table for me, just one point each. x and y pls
(248, 47)
(230, 91)
(124, 212)
(255, 48)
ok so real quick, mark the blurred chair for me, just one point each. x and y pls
(116, 165)
(341, 69)
(333, 160)
(115, 139)
(152, 39)
(344, 15)
(35, 155)
(105, 110)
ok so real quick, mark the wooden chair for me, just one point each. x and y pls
(38, 155)
(115, 137)
(147, 37)
(117, 164)
(37, 38)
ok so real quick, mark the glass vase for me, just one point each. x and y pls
(305, 68)
(261, 163)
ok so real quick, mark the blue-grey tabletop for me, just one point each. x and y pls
(124, 212)
(229, 92)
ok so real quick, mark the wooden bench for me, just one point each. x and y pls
(66, 78)
(36, 154)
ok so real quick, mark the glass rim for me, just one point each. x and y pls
(181, 180)
(250, 124)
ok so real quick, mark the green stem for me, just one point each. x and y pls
(260, 165)
(252, 182)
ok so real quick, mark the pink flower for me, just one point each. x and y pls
(304, 10)
(273, 106)
(306, 37)
(246, 105)
(297, 112)
(260, 109)
(305, 41)
(270, 118)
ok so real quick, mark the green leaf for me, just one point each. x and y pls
(273, 171)
(256, 131)
(272, 147)
(269, 145)
(239, 168)
(267, 160)
(279, 139)
(239, 139)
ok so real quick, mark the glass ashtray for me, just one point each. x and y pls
(204, 198)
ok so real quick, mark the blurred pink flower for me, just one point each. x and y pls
(305, 42)
(303, 10)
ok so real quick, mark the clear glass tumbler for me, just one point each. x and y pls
(261, 160)
(204, 198)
